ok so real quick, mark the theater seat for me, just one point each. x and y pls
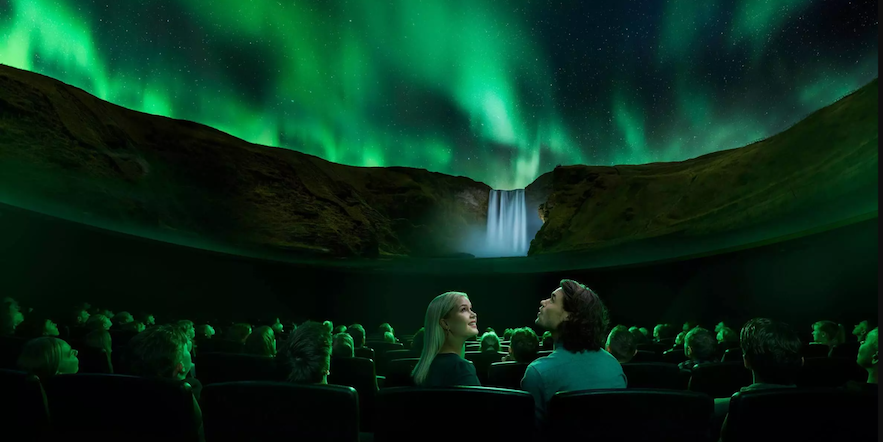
(228, 367)
(848, 350)
(384, 356)
(793, 414)
(654, 375)
(93, 360)
(24, 413)
(218, 346)
(364, 352)
(482, 361)
(645, 356)
(506, 374)
(815, 351)
(10, 348)
(830, 372)
(412, 414)
(357, 373)
(732, 355)
(674, 356)
(275, 411)
(398, 372)
(631, 415)
(117, 407)
(720, 379)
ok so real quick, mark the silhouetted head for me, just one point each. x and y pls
(261, 342)
(358, 334)
(48, 356)
(160, 351)
(700, 345)
(342, 346)
(490, 342)
(771, 350)
(621, 343)
(307, 354)
(524, 345)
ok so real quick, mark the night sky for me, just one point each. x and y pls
(499, 91)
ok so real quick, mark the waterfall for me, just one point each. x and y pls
(507, 223)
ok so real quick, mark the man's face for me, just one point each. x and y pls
(69, 363)
(551, 312)
(867, 352)
(82, 317)
(50, 329)
(860, 329)
(185, 365)
(150, 320)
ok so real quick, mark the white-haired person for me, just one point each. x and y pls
(449, 321)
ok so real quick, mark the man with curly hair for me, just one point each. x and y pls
(578, 321)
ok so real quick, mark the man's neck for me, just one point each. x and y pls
(872, 375)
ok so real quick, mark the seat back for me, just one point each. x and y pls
(398, 372)
(383, 356)
(10, 349)
(815, 351)
(482, 361)
(23, 410)
(792, 414)
(506, 374)
(830, 372)
(631, 415)
(646, 356)
(229, 367)
(720, 379)
(411, 414)
(93, 360)
(119, 407)
(219, 346)
(270, 411)
(357, 373)
(674, 356)
(364, 352)
(732, 355)
(654, 375)
(847, 350)
(120, 338)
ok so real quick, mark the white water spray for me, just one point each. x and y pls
(507, 223)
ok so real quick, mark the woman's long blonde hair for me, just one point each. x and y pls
(433, 334)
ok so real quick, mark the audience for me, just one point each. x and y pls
(99, 340)
(238, 332)
(867, 358)
(81, 316)
(48, 356)
(679, 339)
(388, 337)
(307, 354)
(700, 348)
(357, 332)
(35, 326)
(134, 326)
(727, 335)
(771, 350)
(578, 320)
(123, 318)
(449, 321)
(490, 342)
(262, 342)
(147, 319)
(861, 330)
(10, 316)
(664, 333)
(277, 327)
(523, 345)
(338, 329)
(160, 351)
(99, 321)
(826, 333)
(507, 334)
(204, 331)
(621, 343)
(342, 346)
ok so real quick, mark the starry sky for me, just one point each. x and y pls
(499, 91)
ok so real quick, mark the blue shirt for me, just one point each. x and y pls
(563, 370)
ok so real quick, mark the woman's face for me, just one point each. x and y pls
(462, 321)
(69, 363)
(50, 329)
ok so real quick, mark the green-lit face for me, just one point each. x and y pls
(868, 351)
(860, 329)
(461, 321)
(69, 363)
(818, 336)
(82, 317)
(551, 313)
(50, 329)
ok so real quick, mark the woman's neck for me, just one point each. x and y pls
(452, 345)
(872, 375)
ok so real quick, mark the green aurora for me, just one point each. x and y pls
(497, 91)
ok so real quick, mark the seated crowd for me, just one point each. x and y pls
(577, 351)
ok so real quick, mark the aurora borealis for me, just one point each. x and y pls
(499, 91)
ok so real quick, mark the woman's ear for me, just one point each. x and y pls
(179, 370)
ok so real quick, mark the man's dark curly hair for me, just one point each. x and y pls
(586, 325)
(773, 350)
(306, 353)
(156, 351)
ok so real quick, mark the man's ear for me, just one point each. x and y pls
(179, 370)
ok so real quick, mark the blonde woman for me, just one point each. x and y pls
(47, 356)
(448, 323)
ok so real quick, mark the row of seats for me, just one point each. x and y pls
(119, 407)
